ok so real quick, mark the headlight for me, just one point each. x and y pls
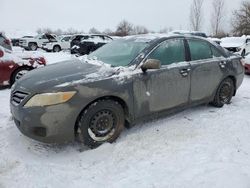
(47, 99)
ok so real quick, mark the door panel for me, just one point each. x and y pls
(158, 90)
(206, 75)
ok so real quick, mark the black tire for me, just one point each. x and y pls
(32, 46)
(243, 54)
(56, 48)
(101, 122)
(224, 93)
(18, 73)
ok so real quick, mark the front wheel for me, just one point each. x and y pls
(224, 93)
(101, 122)
(56, 48)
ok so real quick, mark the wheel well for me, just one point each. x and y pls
(234, 81)
(32, 43)
(117, 99)
(12, 74)
(57, 45)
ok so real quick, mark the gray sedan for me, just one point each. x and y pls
(123, 82)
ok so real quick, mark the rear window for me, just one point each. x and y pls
(199, 49)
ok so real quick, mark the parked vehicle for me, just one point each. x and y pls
(218, 41)
(90, 43)
(13, 67)
(62, 43)
(85, 43)
(247, 63)
(36, 42)
(194, 33)
(5, 42)
(238, 45)
(15, 41)
(127, 80)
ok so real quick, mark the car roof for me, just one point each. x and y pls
(158, 37)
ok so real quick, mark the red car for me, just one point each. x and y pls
(247, 64)
(12, 67)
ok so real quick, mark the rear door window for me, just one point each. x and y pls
(170, 51)
(199, 49)
(216, 52)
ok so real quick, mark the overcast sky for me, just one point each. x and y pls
(102, 14)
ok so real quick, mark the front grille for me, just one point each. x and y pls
(18, 96)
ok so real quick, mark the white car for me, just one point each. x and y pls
(238, 45)
(37, 41)
(62, 43)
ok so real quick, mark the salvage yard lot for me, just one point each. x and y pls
(199, 147)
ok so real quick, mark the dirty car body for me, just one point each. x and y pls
(190, 73)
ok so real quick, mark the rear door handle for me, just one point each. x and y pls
(184, 72)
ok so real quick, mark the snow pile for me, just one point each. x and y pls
(200, 147)
(21, 58)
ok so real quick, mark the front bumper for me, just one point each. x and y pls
(53, 124)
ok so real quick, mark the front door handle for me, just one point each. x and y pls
(223, 64)
(184, 72)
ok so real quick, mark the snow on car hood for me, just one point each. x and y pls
(120, 74)
(20, 58)
(232, 42)
(62, 74)
(73, 72)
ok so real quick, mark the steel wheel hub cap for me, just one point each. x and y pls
(102, 125)
(225, 93)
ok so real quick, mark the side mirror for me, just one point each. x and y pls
(151, 64)
(1, 53)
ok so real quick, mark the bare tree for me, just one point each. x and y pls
(138, 29)
(241, 19)
(217, 16)
(196, 14)
(94, 31)
(108, 32)
(166, 30)
(124, 28)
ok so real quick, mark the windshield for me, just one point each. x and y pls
(120, 52)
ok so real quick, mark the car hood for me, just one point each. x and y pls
(59, 74)
(231, 45)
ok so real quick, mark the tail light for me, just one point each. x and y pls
(7, 41)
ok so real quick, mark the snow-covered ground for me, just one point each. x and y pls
(199, 147)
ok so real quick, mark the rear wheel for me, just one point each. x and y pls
(18, 74)
(33, 46)
(56, 48)
(101, 122)
(224, 93)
